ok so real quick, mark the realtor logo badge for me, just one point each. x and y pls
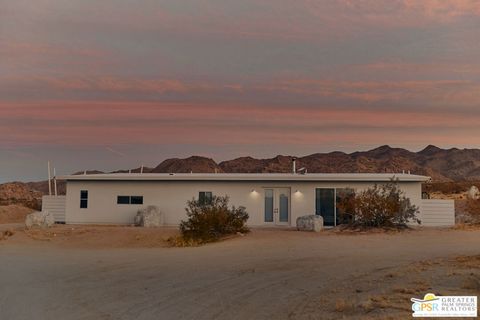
(444, 306)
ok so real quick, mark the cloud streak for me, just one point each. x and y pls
(271, 76)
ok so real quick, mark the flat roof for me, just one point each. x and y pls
(375, 177)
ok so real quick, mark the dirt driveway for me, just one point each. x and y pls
(268, 274)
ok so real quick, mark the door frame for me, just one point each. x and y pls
(276, 201)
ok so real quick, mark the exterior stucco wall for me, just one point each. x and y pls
(171, 197)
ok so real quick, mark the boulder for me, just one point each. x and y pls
(42, 219)
(310, 223)
(150, 216)
(473, 193)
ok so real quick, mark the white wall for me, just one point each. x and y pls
(437, 213)
(171, 198)
(56, 206)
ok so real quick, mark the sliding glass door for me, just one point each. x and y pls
(325, 205)
(334, 205)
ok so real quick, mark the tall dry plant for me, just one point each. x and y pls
(382, 206)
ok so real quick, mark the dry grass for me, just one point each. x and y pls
(4, 235)
(399, 284)
(179, 241)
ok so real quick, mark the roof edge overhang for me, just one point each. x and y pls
(313, 177)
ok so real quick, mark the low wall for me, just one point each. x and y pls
(437, 213)
(56, 206)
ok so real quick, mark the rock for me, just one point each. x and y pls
(310, 223)
(473, 193)
(150, 216)
(41, 219)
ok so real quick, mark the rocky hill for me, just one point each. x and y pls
(443, 165)
(192, 164)
(14, 193)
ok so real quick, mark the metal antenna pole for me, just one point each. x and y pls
(49, 179)
(55, 180)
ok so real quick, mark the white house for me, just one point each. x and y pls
(270, 199)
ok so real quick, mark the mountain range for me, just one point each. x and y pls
(443, 165)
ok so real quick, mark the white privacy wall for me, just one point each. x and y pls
(437, 213)
(56, 206)
(171, 198)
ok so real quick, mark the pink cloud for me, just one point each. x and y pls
(111, 123)
(118, 84)
(447, 91)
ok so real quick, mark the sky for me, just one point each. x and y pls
(114, 84)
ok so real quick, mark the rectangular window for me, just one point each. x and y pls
(268, 205)
(129, 199)
(123, 200)
(136, 200)
(205, 197)
(83, 199)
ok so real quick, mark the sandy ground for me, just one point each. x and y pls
(267, 274)
(13, 213)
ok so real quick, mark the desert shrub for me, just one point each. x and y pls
(473, 209)
(381, 206)
(209, 221)
(345, 206)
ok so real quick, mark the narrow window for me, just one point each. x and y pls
(83, 199)
(268, 205)
(205, 197)
(136, 200)
(123, 200)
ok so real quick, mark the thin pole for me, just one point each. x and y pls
(55, 181)
(49, 184)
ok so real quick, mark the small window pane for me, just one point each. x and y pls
(205, 197)
(84, 194)
(83, 203)
(208, 197)
(123, 200)
(201, 197)
(136, 199)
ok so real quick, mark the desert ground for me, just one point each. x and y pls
(101, 272)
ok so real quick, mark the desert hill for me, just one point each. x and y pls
(443, 165)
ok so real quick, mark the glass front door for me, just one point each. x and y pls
(325, 205)
(277, 206)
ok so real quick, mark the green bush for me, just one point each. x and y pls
(212, 220)
(382, 206)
